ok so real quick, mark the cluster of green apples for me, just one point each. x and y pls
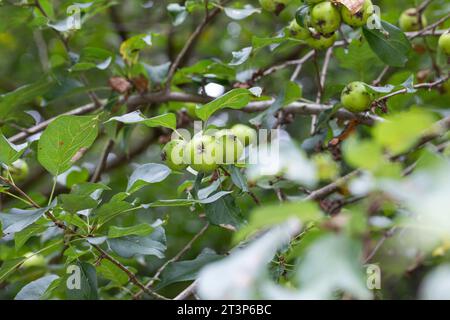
(317, 23)
(207, 150)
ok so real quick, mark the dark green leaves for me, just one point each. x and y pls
(224, 212)
(234, 99)
(65, 140)
(147, 174)
(10, 152)
(35, 290)
(17, 219)
(392, 48)
(167, 120)
(81, 283)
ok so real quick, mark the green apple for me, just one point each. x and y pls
(310, 2)
(444, 43)
(359, 18)
(33, 260)
(409, 20)
(245, 134)
(228, 147)
(297, 31)
(273, 5)
(355, 97)
(19, 170)
(320, 42)
(200, 153)
(325, 17)
(172, 154)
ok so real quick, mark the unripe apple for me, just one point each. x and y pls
(355, 97)
(33, 260)
(313, 1)
(297, 31)
(320, 42)
(359, 18)
(172, 154)
(228, 147)
(200, 153)
(245, 134)
(444, 43)
(19, 170)
(409, 20)
(325, 17)
(273, 5)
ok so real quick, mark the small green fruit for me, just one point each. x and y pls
(228, 147)
(320, 42)
(33, 260)
(297, 31)
(200, 153)
(19, 170)
(172, 154)
(409, 20)
(444, 43)
(355, 97)
(273, 5)
(359, 18)
(245, 134)
(325, 17)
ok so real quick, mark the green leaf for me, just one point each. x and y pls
(141, 230)
(88, 283)
(224, 211)
(21, 237)
(177, 12)
(74, 203)
(64, 140)
(10, 152)
(240, 14)
(130, 246)
(392, 48)
(168, 120)
(130, 48)
(270, 215)
(187, 202)
(187, 270)
(238, 178)
(239, 57)
(234, 99)
(147, 174)
(401, 131)
(111, 210)
(110, 271)
(18, 219)
(91, 58)
(36, 289)
(22, 96)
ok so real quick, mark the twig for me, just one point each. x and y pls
(174, 66)
(186, 293)
(185, 249)
(102, 161)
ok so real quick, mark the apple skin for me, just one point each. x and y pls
(200, 153)
(298, 32)
(172, 154)
(228, 147)
(355, 97)
(319, 42)
(273, 5)
(444, 43)
(409, 20)
(360, 18)
(325, 17)
(33, 260)
(19, 170)
(245, 134)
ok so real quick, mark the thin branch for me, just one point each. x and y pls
(174, 66)
(177, 257)
(430, 30)
(103, 160)
(186, 293)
